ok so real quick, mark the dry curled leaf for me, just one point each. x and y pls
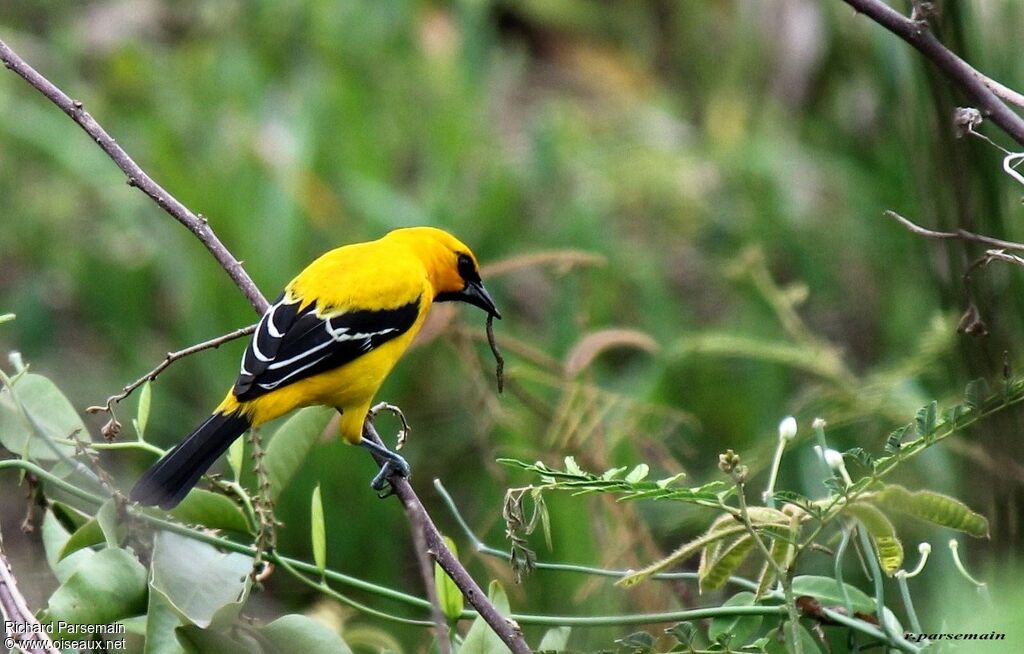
(971, 322)
(590, 346)
(563, 260)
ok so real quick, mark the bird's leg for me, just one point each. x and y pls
(393, 462)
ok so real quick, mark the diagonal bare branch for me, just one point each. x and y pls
(15, 613)
(959, 235)
(959, 72)
(196, 223)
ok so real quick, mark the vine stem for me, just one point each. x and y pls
(409, 600)
(782, 573)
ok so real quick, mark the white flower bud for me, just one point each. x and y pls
(925, 549)
(787, 428)
(834, 459)
(819, 423)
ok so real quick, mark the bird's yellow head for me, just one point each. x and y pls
(451, 266)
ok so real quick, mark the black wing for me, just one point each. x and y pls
(291, 344)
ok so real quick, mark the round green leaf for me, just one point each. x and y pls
(46, 408)
(480, 639)
(448, 594)
(742, 627)
(213, 510)
(290, 444)
(826, 590)
(299, 633)
(106, 587)
(197, 579)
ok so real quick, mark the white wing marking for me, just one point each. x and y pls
(273, 385)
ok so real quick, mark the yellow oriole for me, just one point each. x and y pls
(331, 338)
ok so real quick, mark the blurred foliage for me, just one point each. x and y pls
(712, 176)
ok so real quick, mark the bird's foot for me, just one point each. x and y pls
(394, 463)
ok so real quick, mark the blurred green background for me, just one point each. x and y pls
(708, 175)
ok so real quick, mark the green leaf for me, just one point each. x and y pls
(684, 632)
(638, 473)
(612, 473)
(87, 535)
(639, 642)
(826, 590)
(976, 393)
(69, 515)
(739, 627)
(555, 639)
(668, 481)
(161, 621)
(290, 444)
(236, 457)
(103, 526)
(106, 587)
(725, 563)
(932, 507)
(860, 455)
(540, 512)
(197, 579)
(448, 594)
(480, 639)
(217, 641)
(106, 517)
(572, 467)
(895, 440)
(780, 553)
(318, 530)
(299, 633)
(681, 553)
(142, 416)
(883, 535)
(55, 539)
(46, 408)
(209, 509)
(777, 641)
(925, 419)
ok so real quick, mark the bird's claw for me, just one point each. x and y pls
(393, 464)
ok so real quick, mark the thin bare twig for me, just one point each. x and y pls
(1004, 92)
(168, 360)
(425, 559)
(960, 234)
(999, 255)
(403, 433)
(506, 629)
(16, 612)
(196, 223)
(963, 75)
(499, 361)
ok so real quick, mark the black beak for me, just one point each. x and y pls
(474, 294)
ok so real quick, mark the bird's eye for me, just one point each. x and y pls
(466, 267)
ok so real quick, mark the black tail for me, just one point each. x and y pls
(171, 478)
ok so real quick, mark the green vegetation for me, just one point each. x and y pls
(679, 207)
